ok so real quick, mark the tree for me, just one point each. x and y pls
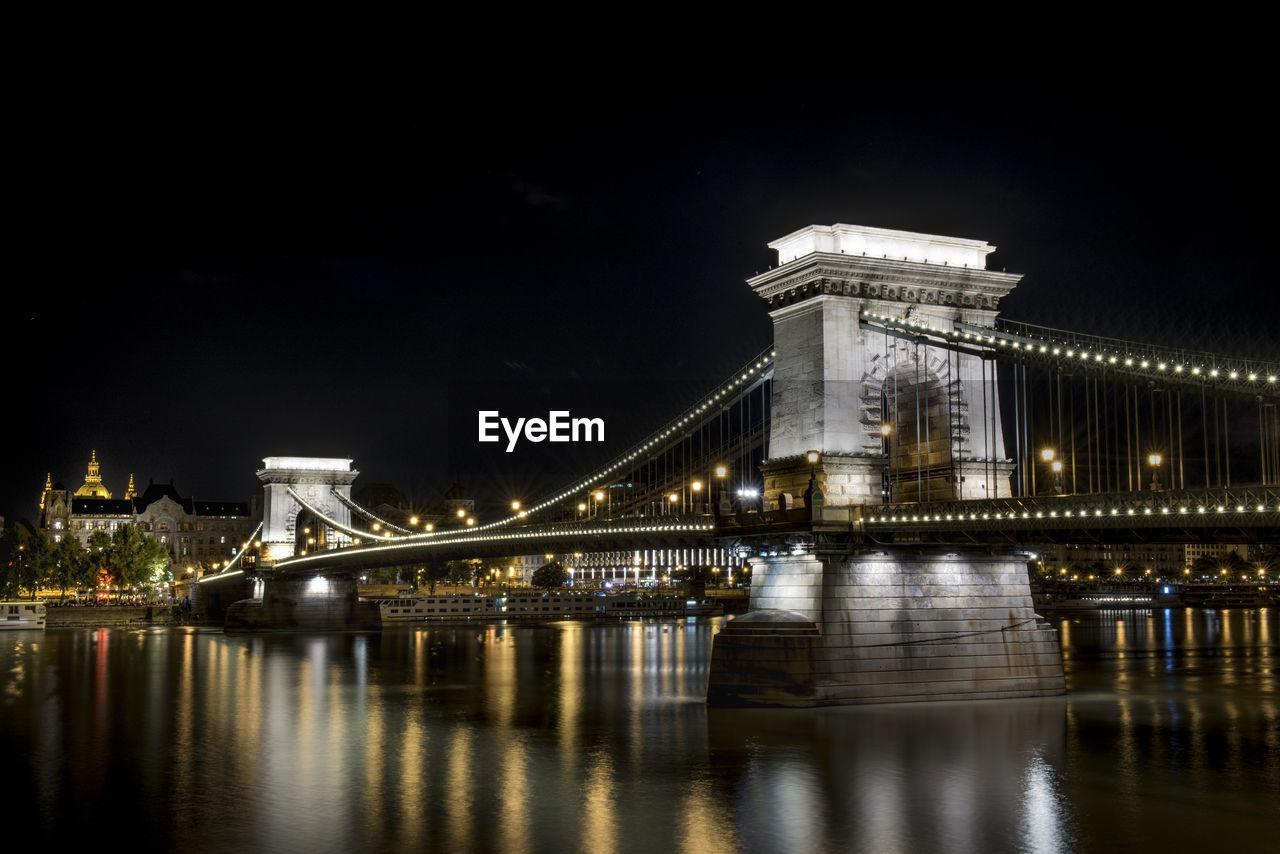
(1236, 566)
(38, 562)
(436, 570)
(550, 575)
(462, 571)
(1204, 565)
(71, 565)
(98, 554)
(1267, 558)
(13, 551)
(141, 560)
(1132, 569)
(494, 569)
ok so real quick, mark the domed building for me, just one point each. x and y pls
(93, 487)
(195, 532)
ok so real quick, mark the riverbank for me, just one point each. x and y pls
(114, 615)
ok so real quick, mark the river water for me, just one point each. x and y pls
(575, 737)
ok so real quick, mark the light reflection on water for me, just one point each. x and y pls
(574, 737)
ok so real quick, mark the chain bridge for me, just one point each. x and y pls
(881, 466)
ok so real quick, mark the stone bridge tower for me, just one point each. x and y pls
(837, 385)
(836, 623)
(314, 479)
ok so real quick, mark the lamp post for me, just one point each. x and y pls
(1055, 466)
(813, 495)
(1154, 460)
(696, 486)
(886, 485)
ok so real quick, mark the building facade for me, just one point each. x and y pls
(198, 534)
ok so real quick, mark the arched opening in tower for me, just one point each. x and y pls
(919, 448)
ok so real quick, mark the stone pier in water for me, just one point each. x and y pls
(885, 627)
(859, 417)
(316, 604)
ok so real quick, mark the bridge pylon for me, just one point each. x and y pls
(831, 620)
(314, 479)
(893, 420)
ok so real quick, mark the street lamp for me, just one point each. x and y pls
(886, 430)
(1154, 459)
(696, 486)
(813, 495)
(1055, 466)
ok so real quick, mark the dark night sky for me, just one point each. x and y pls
(195, 287)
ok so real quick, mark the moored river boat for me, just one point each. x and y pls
(428, 608)
(22, 615)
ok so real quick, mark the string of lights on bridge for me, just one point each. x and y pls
(745, 376)
(474, 537)
(1097, 512)
(750, 374)
(994, 337)
(743, 379)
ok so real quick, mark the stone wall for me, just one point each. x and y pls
(886, 627)
(305, 604)
(913, 627)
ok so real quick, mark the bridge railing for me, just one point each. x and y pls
(1252, 505)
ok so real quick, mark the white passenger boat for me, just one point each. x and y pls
(424, 607)
(22, 615)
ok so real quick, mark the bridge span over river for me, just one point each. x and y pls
(882, 466)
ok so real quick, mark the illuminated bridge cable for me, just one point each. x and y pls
(670, 436)
(1022, 342)
(410, 549)
(331, 522)
(227, 570)
(1128, 440)
(369, 514)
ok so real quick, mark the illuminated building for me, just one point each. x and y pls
(193, 530)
